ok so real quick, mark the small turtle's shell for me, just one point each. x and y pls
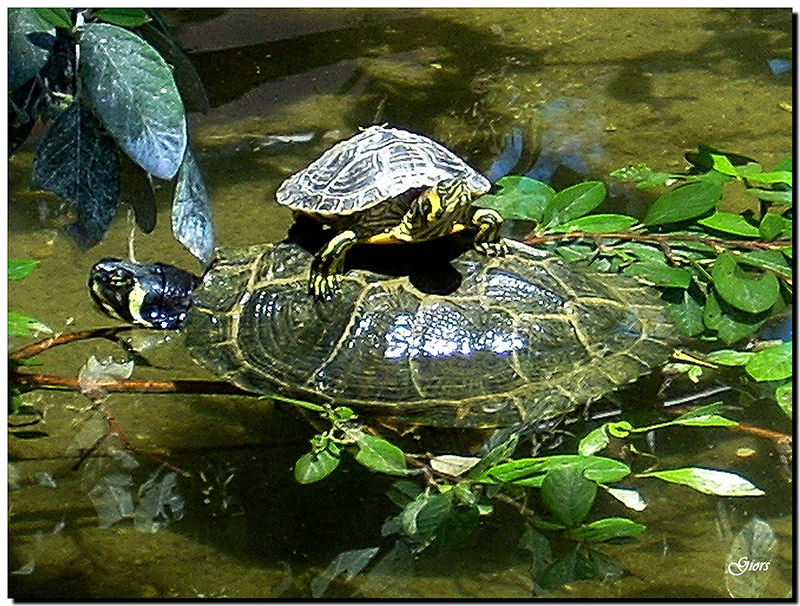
(523, 338)
(377, 164)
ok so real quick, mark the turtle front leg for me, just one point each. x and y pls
(487, 240)
(326, 269)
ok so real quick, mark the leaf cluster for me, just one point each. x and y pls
(102, 80)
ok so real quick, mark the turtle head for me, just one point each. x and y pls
(153, 295)
(444, 201)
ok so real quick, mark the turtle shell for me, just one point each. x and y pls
(377, 164)
(523, 338)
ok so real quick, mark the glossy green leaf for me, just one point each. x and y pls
(519, 198)
(422, 517)
(708, 481)
(125, 17)
(530, 471)
(21, 268)
(647, 178)
(20, 325)
(783, 396)
(630, 497)
(730, 323)
(771, 195)
(317, 464)
(58, 17)
(773, 260)
(574, 202)
(729, 357)
(774, 225)
(607, 529)
(723, 165)
(192, 223)
(683, 203)
(686, 311)
(730, 223)
(704, 416)
(771, 178)
(568, 495)
(602, 223)
(132, 90)
(659, 274)
(771, 364)
(595, 441)
(742, 291)
(380, 455)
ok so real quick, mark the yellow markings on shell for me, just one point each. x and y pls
(432, 195)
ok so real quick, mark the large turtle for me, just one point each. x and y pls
(521, 339)
(387, 185)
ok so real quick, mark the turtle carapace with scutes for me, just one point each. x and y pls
(387, 185)
(522, 338)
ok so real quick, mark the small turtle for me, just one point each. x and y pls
(521, 339)
(387, 185)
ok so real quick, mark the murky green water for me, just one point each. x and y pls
(589, 91)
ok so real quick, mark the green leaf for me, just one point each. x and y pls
(683, 203)
(771, 178)
(630, 497)
(534, 541)
(456, 526)
(771, 364)
(659, 274)
(317, 464)
(574, 202)
(708, 481)
(722, 165)
(729, 357)
(295, 402)
(380, 455)
(192, 223)
(126, 17)
(21, 268)
(603, 223)
(568, 495)
(772, 260)
(580, 564)
(520, 198)
(731, 223)
(595, 441)
(785, 164)
(347, 565)
(20, 325)
(740, 290)
(531, 471)
(647, 177)
(685, 310)
(704, 416)
(771, 195)
(422, 517)
(132, 90)
(58, 17)
(783, 396)
(773, 225)
(607, 529)
(730, 323)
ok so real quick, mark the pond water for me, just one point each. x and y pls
(561, 94)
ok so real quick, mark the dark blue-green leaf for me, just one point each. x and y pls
(125, 17)
(686, 202)
(519, 198)
(192, 223)
(686, 311)
(659, 274)
(742, 291)
(573, 202)
(24, 58)
(773, 225)
(730, 323)
(133, 91)
(21, 268)
(568, 495)
(78, 160)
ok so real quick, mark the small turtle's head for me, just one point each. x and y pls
(444, 202)
(156, 295)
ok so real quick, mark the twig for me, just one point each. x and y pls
(657, 238)
(34, 349)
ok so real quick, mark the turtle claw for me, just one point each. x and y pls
(492, 249)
